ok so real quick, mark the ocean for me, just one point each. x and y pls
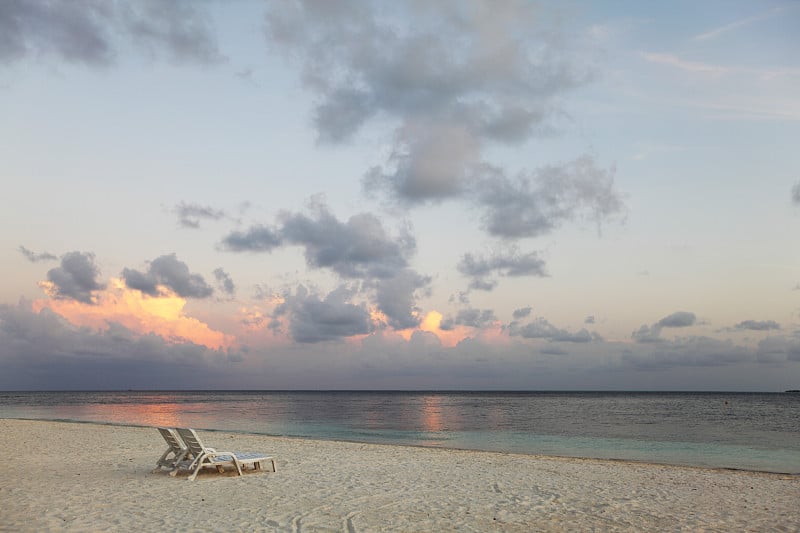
(750, 431)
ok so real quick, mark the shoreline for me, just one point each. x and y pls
(86, 476)
(421, 446)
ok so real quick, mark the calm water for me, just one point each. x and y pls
(730, 430)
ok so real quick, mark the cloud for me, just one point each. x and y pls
(679, 319)
(451, 77)
(167, 271)
(508, 263)
(552, 349)
(34, 257)
(480, 284)
(189, 215)
(396, 297)
(796, 193)
(364, 59)
(473, 318)
(43, 351)
(312, 319)
(652, 334)
(540, 328)
(178, 28)
(257, 238)
(522, 312)
(225, 282)
(777, 349)
(118, 304)
(535, 204)
(75, 279)
(92, 33)
(359, 247)
(429, 162)
(689, 352)
(757, 325)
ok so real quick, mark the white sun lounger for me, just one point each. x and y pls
(176, 451)
(203, 457)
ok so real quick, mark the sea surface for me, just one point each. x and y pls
(750, 431)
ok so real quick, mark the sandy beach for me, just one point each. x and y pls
(86, 477)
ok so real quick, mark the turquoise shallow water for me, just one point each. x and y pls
(723, 430)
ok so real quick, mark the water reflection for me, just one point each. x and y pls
(161, 412)
(431, 413)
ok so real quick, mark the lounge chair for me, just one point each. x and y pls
(176, 451)
(203, 457)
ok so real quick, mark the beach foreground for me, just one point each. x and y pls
(86, 477)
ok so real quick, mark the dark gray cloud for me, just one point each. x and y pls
(535, 204)
(679, 319)
(757, 325)
(522, 312)
(796, 193)
(76, 278)
(509, 263)
(189, 215)
(397, 296)
(91, 32)
(689, 352)
(359, 247)
(42, 351)
(553, 349)
(462, 298)
(34, 257)
(257, 238)
(540, 328)
(652, 334)
(473, 318)
(178, 29)
(73, 31)
(432, 162)
(647, 334)
(170, 272)
(312, 319)
(778, 349)
(363, 59)
(454, 76)
(480, 284)
(225, 282)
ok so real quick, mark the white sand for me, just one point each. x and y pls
(85, 477)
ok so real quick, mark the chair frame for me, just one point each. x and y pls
(176, 452)
(204, 457)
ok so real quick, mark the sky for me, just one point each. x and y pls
(400, 195)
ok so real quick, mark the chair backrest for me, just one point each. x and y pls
(173, 440)
(192, 441)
